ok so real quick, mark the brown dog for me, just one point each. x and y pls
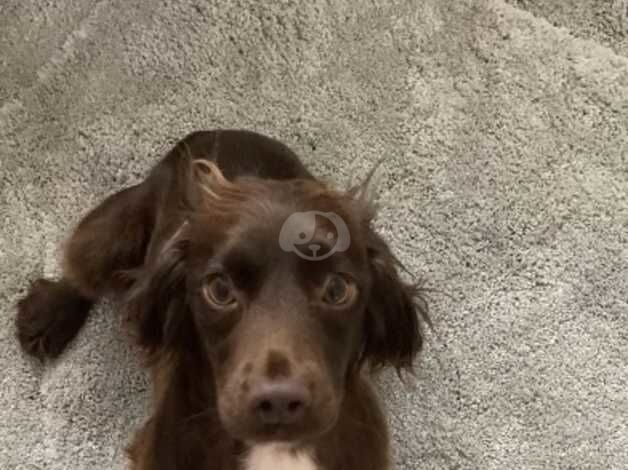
(260, 295)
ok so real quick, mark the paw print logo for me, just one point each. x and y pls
(314, 235)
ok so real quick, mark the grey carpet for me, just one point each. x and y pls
(605, 21)
(505, 187)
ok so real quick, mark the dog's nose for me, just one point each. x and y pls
(280, 402)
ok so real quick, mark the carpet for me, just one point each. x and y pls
(505, 187)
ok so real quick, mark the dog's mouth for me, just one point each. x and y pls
(277, 433)
(245, 429)
(271, 433)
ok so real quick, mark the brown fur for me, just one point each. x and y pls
(214, 207)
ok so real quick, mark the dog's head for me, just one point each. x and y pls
(289, 290)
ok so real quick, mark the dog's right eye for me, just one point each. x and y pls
(219, 292)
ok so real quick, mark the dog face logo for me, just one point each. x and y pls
(302, 230)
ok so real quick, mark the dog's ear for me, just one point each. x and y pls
(157, 302)
(393, 312)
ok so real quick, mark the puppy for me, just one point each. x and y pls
(261, 298)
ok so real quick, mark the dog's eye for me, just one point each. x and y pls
(338, 290)
(219, 291)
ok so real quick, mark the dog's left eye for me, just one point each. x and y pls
(219, 291)
(338, 290)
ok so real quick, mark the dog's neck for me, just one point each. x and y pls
(278, 457)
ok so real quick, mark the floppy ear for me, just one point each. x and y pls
(393, 330)
(157, 302)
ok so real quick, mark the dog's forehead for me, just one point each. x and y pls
(311, 222)
(314, 242)
(294, 208)
(290, 221)
(297, 223)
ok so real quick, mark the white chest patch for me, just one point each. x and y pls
(278, 457)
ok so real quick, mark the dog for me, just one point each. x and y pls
(262, 299)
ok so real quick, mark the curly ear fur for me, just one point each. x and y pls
(157, 302)
(393, 327)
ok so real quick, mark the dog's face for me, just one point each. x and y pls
(284, 327)
(282, 330)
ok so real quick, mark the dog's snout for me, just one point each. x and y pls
(280, 402)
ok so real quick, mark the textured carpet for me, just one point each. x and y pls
(505, 187)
